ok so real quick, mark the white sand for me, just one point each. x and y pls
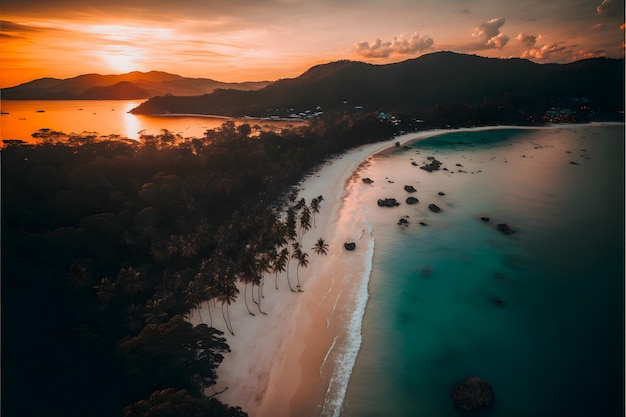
(278, 363)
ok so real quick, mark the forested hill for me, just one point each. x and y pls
(422, 85)
(133, 85)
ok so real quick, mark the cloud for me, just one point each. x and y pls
(611, 8)
(489, 36)
(528, 40)
(399, 46)
(554, 52)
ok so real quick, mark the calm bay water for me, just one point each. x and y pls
(552, 344)
(106, 117)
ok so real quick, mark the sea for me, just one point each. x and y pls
(538, 314)
(21, 118)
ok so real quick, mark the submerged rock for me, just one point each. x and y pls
(434, 208)
(504, 228)
(472, 394)
(485, 219)
(349, 245)
(409, 189)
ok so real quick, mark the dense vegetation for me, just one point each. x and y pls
(440, 88)
(108, 243)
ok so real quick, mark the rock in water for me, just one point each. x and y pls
(412, 200)
(350, 245)
(472, 394)
(434, 208)
(504, 228)
(409, 189)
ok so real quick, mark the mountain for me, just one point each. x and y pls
(133, 85)
(441, 80)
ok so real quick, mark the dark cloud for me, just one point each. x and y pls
(399, 46)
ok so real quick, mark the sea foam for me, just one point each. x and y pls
(349, 343)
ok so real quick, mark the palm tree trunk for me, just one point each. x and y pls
(245, 298)
(208, 307)
(226, 321)
(199, 307)
(298, 278)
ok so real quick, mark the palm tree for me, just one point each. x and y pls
(305, 221)
(263, 266)
(194, 295)
(280, 264)
(315, 208)
(302, 261)
(105, 290)
(130, 280)
(321, 247)
(247, 278)
(228, 295)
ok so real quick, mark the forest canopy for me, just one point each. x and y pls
(108, 243)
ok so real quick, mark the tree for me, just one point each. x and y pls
(279, 265)
(321, 247)
(302, 258)
(227, 295)
(130, 280)
(172, 403)
(105, 290)
(305, 221)
(315, 208)
(187, 356)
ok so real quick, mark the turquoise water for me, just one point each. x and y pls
(538, 314)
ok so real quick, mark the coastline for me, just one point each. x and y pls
(279, 364)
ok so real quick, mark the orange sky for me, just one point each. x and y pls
(239, 40)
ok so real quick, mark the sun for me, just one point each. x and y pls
(120, 62)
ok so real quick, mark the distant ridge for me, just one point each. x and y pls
(133, 85)
(426, 84)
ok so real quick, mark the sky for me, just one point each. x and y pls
(254, 40)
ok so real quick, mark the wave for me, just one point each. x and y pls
(348, 349)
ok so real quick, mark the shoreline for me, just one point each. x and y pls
(278, 365)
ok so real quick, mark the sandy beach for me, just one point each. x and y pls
(283, 363)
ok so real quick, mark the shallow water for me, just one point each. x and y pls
(539, 313)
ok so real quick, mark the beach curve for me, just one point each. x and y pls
(278, 364)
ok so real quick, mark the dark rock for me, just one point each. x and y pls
(368, 180)
(414, 163)
(409, 189)
(498, 301)
(459, 165)
(472, 394)
(423, 224)
(349, 245)
(388, 202)
(504, 228)
(412, 200)
(403, 221)
(397, 144)
(434, 208)
(574, 163)
(433, 166)
(441, 193)
(485, 219)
